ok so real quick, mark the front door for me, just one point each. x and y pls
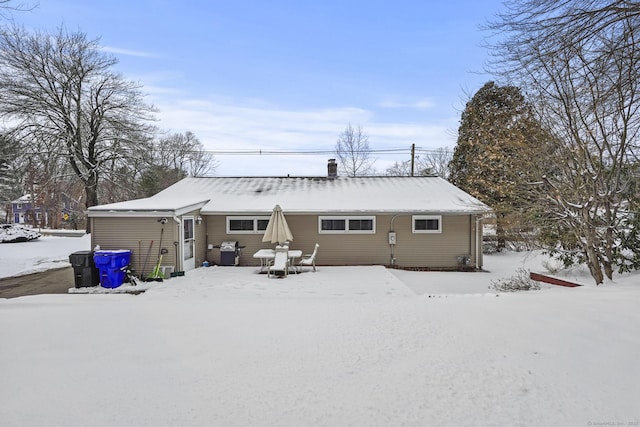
(188, 244)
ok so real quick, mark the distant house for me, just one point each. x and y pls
(26, 212)
(69, 210)
(409, 222)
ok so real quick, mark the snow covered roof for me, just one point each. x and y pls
(151, 206)
(301, 195)
(22, 199)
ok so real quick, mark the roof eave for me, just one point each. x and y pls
(351, 211)
(96, 212)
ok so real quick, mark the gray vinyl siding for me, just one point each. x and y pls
(413, 250)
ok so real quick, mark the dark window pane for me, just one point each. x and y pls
(241, 225)
(333, 224)
(262, 224)
(188, 228)
(361, 224)
(427, 224)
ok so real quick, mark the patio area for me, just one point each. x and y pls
(331, 282)
(327, 282)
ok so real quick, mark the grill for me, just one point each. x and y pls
(229, 252)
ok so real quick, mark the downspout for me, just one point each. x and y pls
(478, 240)
(178, 246)
(470, 237)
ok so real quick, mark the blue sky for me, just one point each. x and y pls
(291, 75)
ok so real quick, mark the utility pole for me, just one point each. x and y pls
(413, 157)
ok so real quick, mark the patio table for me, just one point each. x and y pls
(265, 255)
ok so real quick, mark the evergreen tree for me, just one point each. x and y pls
(8, 178)
(499, 151)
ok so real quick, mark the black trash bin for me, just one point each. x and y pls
(85, 273)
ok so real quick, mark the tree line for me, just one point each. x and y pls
(554, 149)
(73, 125)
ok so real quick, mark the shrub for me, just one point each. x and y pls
(519, 282)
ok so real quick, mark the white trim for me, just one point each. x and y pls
(129, 214)
(254, 218)
(427, 217)
(105, 211)
(346, 219)
(187, 263)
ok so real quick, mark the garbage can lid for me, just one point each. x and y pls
(113, 252)
(229, 245)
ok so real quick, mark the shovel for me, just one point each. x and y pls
(156, 274)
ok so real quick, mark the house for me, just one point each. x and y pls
(25, 213)
(408, 222)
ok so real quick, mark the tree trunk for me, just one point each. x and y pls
(594, 265)
(91, 196)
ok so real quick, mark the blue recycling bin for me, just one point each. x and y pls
(112, 266)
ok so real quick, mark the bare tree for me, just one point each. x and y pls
(172, 158)
(548, 26)
(430, 162)
(12, 5)
(9, 174)
(399, 169)
(184, 151)
(578, 63)
(121, 175)
(435, 162)
(60, 89)
(352, 148)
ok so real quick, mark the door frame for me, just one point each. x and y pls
(189, 264)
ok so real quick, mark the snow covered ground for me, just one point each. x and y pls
(42, 254)
(357, 346)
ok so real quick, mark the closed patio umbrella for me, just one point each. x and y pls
(277, 229)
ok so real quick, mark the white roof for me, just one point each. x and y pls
(301, 195)
(22, 199)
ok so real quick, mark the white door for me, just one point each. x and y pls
(188, 244)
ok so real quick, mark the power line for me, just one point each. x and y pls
(311, 152)
(261, 152)
(267, 152)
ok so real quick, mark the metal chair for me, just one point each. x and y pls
(280, 262)
(309, 259)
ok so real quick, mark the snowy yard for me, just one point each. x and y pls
(357, 346)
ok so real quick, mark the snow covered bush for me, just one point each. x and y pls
(489, 245)
(519, 282)
(553, 266)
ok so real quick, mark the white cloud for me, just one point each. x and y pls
(128, 52)
(223, 124)
(419, 104)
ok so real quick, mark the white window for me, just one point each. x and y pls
(347, 224)
(246, 224)
(426, 224)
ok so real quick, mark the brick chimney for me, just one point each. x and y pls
(332, 168)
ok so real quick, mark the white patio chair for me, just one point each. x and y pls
(280, 262)
(309, 259)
